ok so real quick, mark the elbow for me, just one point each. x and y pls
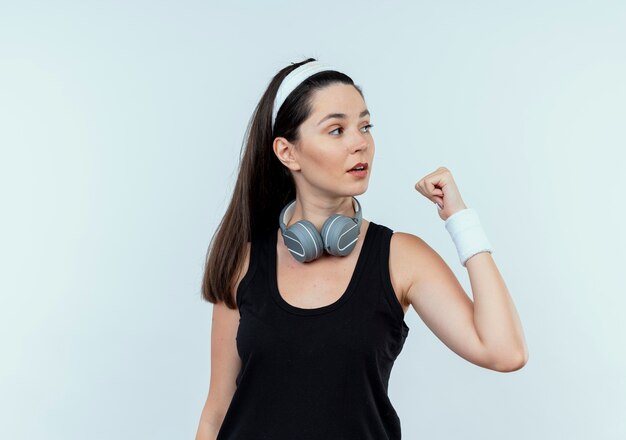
(512, 362)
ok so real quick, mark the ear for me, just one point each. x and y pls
(286, 153)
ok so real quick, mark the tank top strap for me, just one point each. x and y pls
(379, 264)
(257, 267)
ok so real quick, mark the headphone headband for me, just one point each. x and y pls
(288, 212)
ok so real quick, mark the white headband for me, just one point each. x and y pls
(293, 80)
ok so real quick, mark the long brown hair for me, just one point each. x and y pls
(264, 185)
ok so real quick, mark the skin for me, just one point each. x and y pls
(486, 331)
(320, 160)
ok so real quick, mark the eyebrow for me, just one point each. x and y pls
(342, 116)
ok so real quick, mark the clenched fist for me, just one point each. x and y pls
(440, 188)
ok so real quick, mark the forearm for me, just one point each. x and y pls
(495, 317)
(207, 430)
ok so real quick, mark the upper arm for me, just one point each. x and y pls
(439, 299)
(225, 360)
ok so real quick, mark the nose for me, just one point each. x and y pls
(360, 141)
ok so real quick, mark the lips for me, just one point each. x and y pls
(357, 165)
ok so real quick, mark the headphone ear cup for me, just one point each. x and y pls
(303, 241)
(340, 234)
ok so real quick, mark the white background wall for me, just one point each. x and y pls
(120, 130)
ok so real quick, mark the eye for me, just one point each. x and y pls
(368, 126)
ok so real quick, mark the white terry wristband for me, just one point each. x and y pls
(467, 234)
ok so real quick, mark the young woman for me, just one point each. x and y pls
(309, 297)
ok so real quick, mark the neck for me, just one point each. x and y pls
(317, 210)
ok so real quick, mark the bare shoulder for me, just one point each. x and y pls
(409, 258)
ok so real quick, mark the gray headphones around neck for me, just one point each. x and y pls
(338, 237)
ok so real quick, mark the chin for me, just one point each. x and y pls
(359, 192)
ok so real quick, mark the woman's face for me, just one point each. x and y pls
(332, 140)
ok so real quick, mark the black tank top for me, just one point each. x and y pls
(323, 373)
